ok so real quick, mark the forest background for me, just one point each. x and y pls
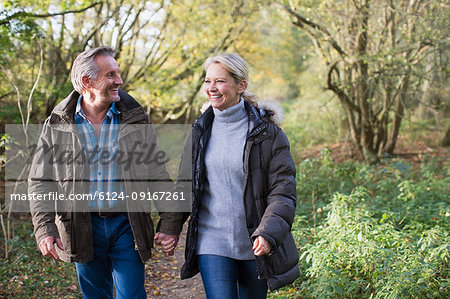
(364, 85)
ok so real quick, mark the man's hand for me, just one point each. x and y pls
(168, 242)
(261, 246)
(47, 246)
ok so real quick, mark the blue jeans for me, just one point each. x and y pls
(115, 261)
(227, 278)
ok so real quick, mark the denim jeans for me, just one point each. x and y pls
(115, 261)
(227, 278)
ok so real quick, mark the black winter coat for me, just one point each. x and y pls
(269, 193)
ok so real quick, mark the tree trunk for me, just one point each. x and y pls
(398, 116)
(446, 140)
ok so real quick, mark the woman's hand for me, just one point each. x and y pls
(261, 246)
(168, 242)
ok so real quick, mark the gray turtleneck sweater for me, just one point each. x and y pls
(222, 228)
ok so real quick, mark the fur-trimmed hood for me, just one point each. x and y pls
(273, 109)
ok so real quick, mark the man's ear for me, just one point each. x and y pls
(86, 82)
(242, 86)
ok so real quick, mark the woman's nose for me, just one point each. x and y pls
(212, 87)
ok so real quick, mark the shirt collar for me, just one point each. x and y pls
(114, 108)
(79, 110)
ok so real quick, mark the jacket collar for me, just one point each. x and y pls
(255, 118)
(131, 110)
(205, 120)
(256, 124)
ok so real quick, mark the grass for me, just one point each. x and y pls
(28, 274)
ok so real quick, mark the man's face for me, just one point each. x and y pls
(106, 87)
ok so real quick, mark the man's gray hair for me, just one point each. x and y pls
(84, 65)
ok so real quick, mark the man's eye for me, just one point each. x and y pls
(207, 81)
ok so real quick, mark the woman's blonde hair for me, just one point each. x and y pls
(237, 68)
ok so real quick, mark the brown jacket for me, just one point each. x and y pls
(70, 220)
(269, 194)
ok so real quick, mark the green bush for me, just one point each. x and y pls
(379, 231)
(357, 255)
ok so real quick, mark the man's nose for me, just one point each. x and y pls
(118, 80)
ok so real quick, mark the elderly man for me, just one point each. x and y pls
(108, 240)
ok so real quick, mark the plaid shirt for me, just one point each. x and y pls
(101, 176)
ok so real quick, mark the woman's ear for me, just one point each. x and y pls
(242, 86)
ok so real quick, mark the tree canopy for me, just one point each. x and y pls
(382, 58)
(160, 46)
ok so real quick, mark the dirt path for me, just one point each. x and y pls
(163, 275)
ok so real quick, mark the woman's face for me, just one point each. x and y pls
(220, 87)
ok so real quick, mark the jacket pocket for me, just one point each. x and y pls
(64, 225)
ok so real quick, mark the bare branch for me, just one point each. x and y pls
(30, 97)
(306, 21)
(24, 14)
(343, 97)
(6, 94)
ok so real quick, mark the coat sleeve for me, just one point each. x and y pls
(184, 181)
(278, 216)
(170, 219)
(39, 182)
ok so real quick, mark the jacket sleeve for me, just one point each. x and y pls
(184, 181)
(279, 214)
(39, 182)
(170, 219)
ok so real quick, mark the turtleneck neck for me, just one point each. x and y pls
(231, 114)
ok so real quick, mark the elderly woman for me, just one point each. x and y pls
(243, 193)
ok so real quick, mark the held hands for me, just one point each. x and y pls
(261, 246)
(47, 246)
(168, 242)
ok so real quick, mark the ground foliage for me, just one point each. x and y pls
(377, 231)
(28, 274)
